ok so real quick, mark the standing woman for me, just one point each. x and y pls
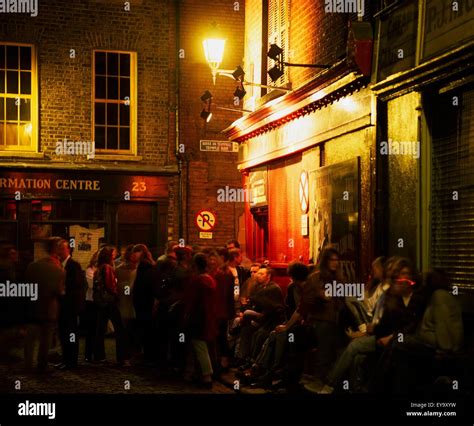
(144, 301)
(89, 316)
(126, 272)
(199, 319)
(106, 298)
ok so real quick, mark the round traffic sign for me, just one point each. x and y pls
(206, 220)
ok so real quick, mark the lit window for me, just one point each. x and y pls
(114, 102)
(17, 98)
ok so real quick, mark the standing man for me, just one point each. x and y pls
(48, 274)
(239, 273)
(70, 307)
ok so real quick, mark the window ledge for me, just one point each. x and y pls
(117, 157)
(21, 154)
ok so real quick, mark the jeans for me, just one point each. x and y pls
(361, 345)
(105, 313)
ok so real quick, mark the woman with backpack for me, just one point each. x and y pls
(106, 299)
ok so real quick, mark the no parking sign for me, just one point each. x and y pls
(206, 220)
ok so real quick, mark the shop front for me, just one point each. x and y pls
(307, 165)
(86, 207)
(427, 100)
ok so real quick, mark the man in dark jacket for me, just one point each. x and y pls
(70, 307)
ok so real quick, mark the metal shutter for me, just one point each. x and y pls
(452, 220)
(278, 29)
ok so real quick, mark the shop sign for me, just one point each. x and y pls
(257, 185)
(447, 23)
(19, 185)
(397, 43)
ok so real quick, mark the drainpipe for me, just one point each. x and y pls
(177, 99)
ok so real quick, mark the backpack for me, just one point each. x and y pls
(101, 295)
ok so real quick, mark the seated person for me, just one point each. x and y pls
(268, 310)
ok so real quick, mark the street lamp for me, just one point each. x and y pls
(214, 51)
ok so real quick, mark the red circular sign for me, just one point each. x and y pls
(206, 220)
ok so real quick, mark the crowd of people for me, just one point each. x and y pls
(198, 313)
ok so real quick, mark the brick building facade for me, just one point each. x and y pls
(106, 71)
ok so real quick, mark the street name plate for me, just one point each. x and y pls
(218, 146)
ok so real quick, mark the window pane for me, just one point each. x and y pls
(112, 114)
(12, 57)
(25, 58)
(112, 63)
(12, 81)
(99, 137)
(100, 88)
(25, 134)
(2, 140)
(100, 63)
(2, 56)
(124, 115)
(25, 81)
(112, 138)
(2, 81)
(124, 64)
(124, 88)
(12, 134)
(2, 112)
(99, 113)
(124, 138)
(25, 110)
(12, 110)
(112, 88)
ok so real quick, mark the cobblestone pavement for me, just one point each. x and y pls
(97, 379)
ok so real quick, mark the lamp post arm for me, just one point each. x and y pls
(307, 65)
(228, 73)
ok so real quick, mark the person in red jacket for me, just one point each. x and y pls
(199, 318)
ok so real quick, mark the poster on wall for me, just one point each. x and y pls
(86, 243)
(334, 213)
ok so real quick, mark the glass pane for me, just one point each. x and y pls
(2, 111)
(12, 109)
(2, 81)
(124, 88)
(112, 63)
(100, 63)
(12, 57)
(124, 64)
(25, 134)
(112, 138)
(99, 113)
(124, 115)
(99, 137)
(25, 83)
(2, 56)
(25, 58)
(112, 114)
(112, 88)
(2, 136)
(12, 134)
(12, 81)
(25, 110)
(100, 88)
(124, 138)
